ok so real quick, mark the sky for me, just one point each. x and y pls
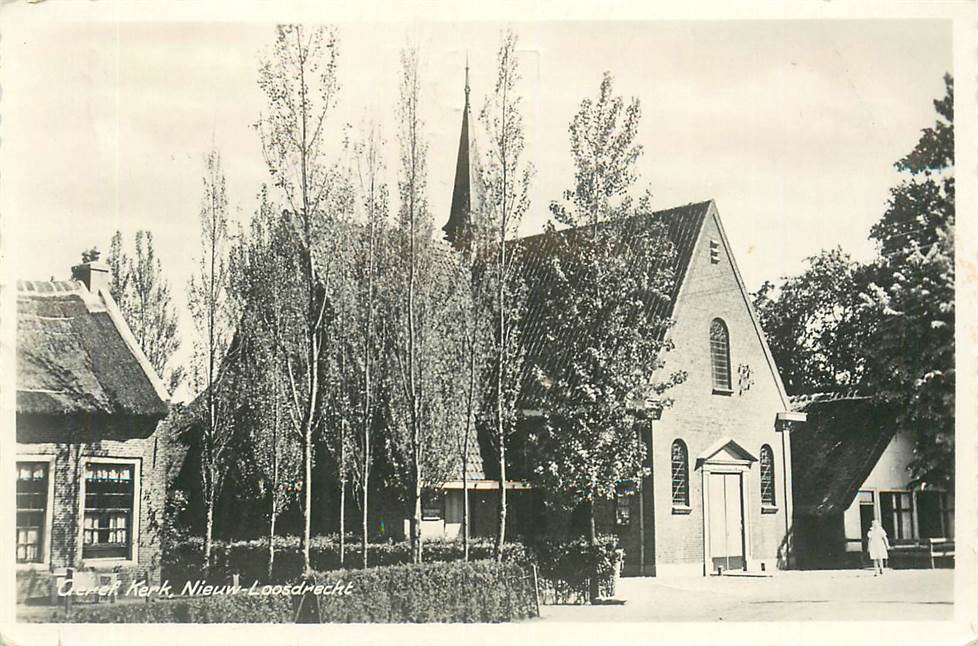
(791, 126)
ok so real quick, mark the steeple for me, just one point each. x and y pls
(467, 192)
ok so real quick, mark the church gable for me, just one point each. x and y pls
(717, 336)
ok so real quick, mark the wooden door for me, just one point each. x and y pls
(726, 521)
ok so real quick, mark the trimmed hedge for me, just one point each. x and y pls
(179, 610)
(459, 592)
(249, 559)
(477, 591)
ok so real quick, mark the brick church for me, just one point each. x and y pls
(715, 494)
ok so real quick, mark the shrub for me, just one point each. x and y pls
(475, 591)
(567, 567)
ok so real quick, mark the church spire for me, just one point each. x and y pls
(467, 190)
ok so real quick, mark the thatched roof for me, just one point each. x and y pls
(77, 356)
(836, 449)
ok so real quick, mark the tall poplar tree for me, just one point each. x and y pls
(423, 309)
(210, 307)
(140, 289)
(506, 179)
(299, 81)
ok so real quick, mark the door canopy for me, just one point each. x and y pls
(726, 451)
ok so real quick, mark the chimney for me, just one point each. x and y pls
(94, 273)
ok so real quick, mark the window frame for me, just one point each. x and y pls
(428, 497)
(134, 524)
(947, 513)
(45, 560)
(911, 510)
(767, 507)
(681, 506)
(718, 387)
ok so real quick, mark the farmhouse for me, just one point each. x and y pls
(852, 467)
(89, 467)
(716, 494)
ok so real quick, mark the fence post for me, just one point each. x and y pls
(536, 587)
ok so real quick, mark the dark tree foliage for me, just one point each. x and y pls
(885, 328)
(911, 362)
(813, 323)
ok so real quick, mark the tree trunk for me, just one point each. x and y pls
(364, 538)
(416, 555)
(501, 537)
(209, 531)
(367, 382)
(592, 539)
(465, 453)
(365, 481)
(307, 493)
(343, 522)
(271, 543)
(275, 483)
(465, 517)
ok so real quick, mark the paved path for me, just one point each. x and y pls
(828, 595)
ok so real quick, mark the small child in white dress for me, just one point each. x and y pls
(879, 545)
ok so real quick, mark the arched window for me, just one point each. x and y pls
(720, 354)
(680, 475)
(767, 477)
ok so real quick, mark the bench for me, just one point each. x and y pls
(926, 551)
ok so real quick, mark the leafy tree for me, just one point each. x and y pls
(886, 327)
(475, 347)
(815, 323)
(210, 308)
(424, 290)
(912, 360)
(300, 84)
(506, 180)
(140, 289)
(602, 282)
(368, 330)
(921, 206)
(262, 276)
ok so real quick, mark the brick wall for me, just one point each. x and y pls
(700, 418)
(153, 457)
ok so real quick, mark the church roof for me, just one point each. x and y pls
(836, 449)
(682, 226)
(76, 355)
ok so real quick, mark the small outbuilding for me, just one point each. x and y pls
(851, 466)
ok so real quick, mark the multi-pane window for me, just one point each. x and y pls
(32, 502)
(935, 514)
(432, 504)
(720, 354)
(680, 474)
(108, 519)
(897, 515)
(768, 498)
(947, 514)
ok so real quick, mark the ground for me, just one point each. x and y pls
(825, 595)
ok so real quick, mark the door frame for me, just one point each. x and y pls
(740, 468)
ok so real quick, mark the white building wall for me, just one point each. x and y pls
(889, 474)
